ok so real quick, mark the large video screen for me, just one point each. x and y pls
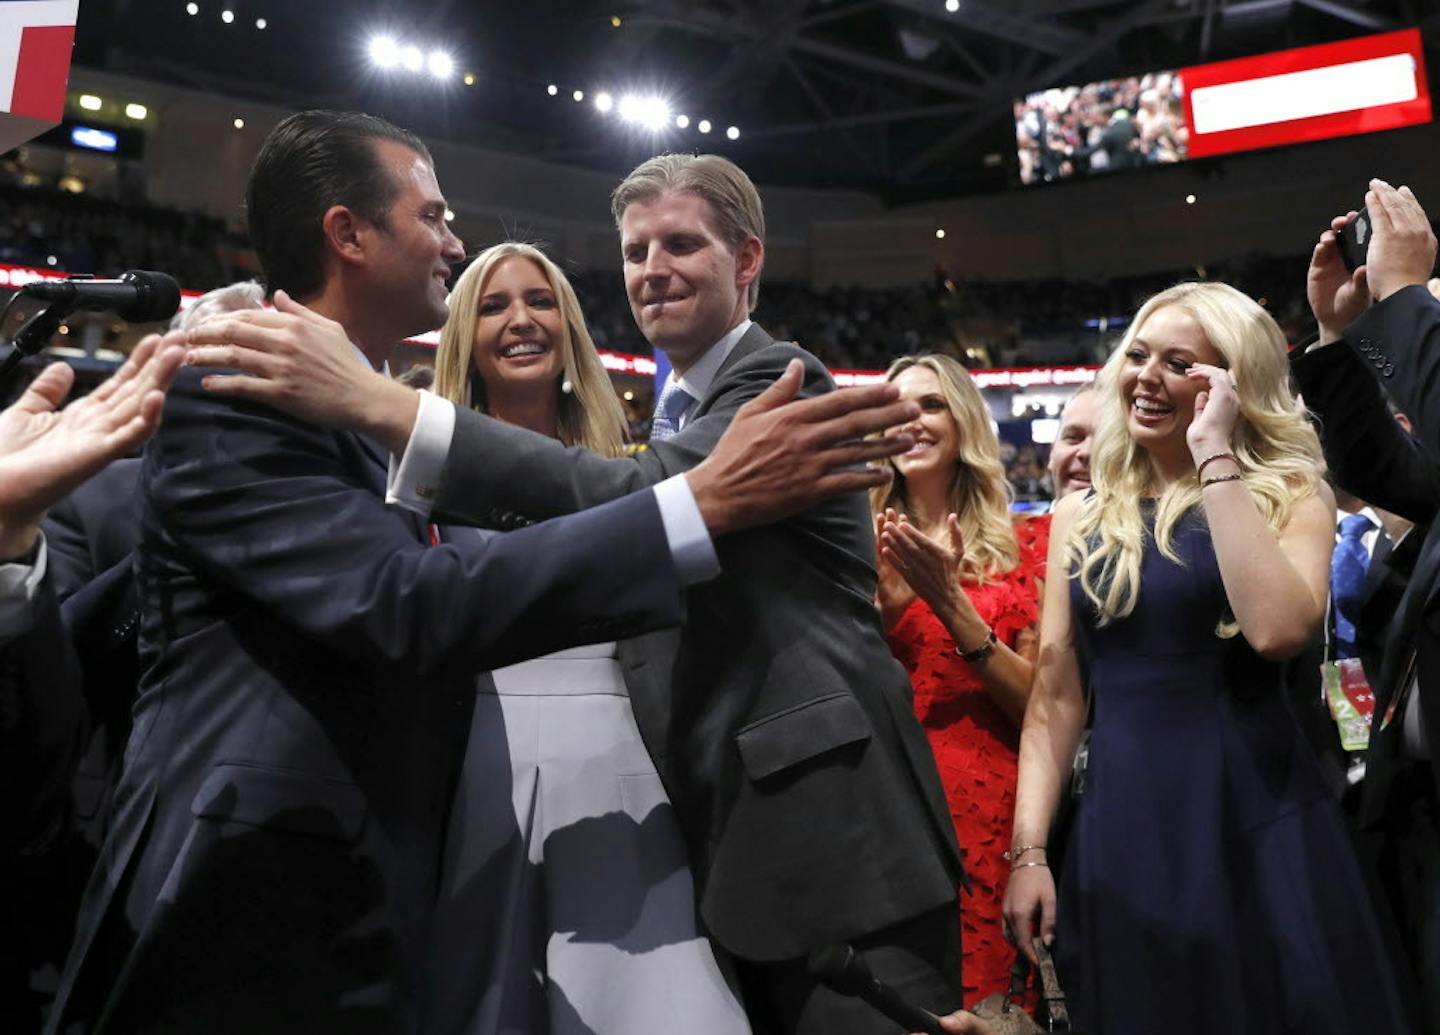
(1361, 85)
(1102, 127)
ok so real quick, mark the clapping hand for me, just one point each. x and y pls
(893, 594)
(45, 452)
(929, 567)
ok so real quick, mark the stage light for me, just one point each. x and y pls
(136, 111)
(89, 102)
(552, 89)
(238, 123)
(441, 64)
(651, 112)
(384, 52)
(733, 132)
(629, 396)
(579, 95)
(192, 9)
(227, 16)
(615, 20)
(704, 126)
(603, 102)
(412, 59)
(469, 78)
(262, 24)
(1189, 199)
(449, 215)
(952, 5)
(940, 234)
(682, 121)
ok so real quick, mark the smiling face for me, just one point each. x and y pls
(935, 430)
(415, 248)
(1070, 455)
(1158, 398)
(519, 332)
(686, 285)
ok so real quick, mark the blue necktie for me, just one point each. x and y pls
(1347, 580)
(674, 401)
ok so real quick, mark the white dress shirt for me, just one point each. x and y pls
(18, 585)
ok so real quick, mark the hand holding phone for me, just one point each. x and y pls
(1355, 239)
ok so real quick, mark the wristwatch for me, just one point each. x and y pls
(981, 652)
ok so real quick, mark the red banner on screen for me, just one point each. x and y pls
(1310, 93)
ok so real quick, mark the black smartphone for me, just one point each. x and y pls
(1355, 240)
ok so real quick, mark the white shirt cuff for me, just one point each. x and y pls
(413, 481)
(18, 585)
(690, 543)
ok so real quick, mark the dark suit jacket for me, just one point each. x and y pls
(308, 668)
(778, 719)
(1398, 343)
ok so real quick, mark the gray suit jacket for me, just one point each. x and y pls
(777, 717)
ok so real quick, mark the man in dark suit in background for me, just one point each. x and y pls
(778, 718)
(43, 456)
(308, 659)
(1395, 341)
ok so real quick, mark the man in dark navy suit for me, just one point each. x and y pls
(308, 658)
(1380, 326)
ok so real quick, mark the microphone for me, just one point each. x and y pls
(139, 296)
(839, 969)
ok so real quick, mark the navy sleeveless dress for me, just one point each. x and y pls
(1210, 885)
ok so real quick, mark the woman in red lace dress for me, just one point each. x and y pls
(959, 596)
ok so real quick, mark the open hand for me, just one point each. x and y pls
(45, 452)
(781, 455)
(303, 364)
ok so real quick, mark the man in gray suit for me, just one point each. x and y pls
(778, 718)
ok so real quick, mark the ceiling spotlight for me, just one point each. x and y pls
(449, 215)
(192, 9)
(952, 5)
(469, 78)
(384, 52)
(704, 126)
(89, 102)
(651, 112)
(1189, 199)
(261, 23)
(615, 20)
(238, 123)
(682, 121)
(441, 64)
(552, 89)
(412, 59)
(940, 234)
(604, 102)
(579, 95)
(733, 133)
(227, 16)
(136, 111)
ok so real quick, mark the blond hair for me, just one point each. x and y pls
(1273, 440)
(979, 490)
(721, 183)
(589, 415)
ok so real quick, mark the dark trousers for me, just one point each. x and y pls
(1407, 867)
(919, 958)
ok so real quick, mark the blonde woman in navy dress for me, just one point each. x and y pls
(1209, 884)
(566, 903)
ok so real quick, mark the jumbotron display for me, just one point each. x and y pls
(1356, 86)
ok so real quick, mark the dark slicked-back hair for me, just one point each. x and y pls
(309, 163)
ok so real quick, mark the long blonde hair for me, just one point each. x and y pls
(1277, 448)
(979, 491)
(589, 415)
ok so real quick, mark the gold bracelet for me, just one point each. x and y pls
(1019, 850)
(1021, 866)
(1221, 478)
(1211, 459)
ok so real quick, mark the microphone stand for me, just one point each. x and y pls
(33, 336)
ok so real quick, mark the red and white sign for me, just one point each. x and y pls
(1310, 93)
(36, 37)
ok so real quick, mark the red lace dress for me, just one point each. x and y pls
(976, 747)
